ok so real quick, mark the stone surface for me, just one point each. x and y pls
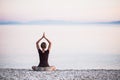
(92, 74)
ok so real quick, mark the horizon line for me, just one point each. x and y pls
(67, 22)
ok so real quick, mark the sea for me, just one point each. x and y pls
(83, 46)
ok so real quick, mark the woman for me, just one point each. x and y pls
(43, 55)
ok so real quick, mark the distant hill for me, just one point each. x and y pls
(9, 22)
(111, 22)
(45, 22)
(115, 22)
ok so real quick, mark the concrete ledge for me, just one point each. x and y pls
(92, 74)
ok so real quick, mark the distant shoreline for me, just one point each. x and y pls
(54, 22)
(70, 74)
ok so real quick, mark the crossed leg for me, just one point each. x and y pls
(36, 68)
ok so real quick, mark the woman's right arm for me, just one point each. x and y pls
(37, 43)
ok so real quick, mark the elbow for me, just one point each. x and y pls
(50, 42)
(36, 43)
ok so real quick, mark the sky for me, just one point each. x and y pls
(70, 10)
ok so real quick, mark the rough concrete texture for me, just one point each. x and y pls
(92, 74)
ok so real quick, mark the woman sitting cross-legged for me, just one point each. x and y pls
(43, 56)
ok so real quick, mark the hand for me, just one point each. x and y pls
(44, 34)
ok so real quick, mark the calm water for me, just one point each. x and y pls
(73, 46)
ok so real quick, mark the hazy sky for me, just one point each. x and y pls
(80, 10)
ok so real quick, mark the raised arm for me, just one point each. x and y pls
(37, 43)
(49, 43)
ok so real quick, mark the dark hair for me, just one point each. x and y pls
(43, 45)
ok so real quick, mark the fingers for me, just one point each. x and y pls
(43, 34)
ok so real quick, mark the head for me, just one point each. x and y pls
(43, 45)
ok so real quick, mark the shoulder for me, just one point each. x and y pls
(47, 50)
(39, 51)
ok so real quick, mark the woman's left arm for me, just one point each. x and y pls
(49, 42)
